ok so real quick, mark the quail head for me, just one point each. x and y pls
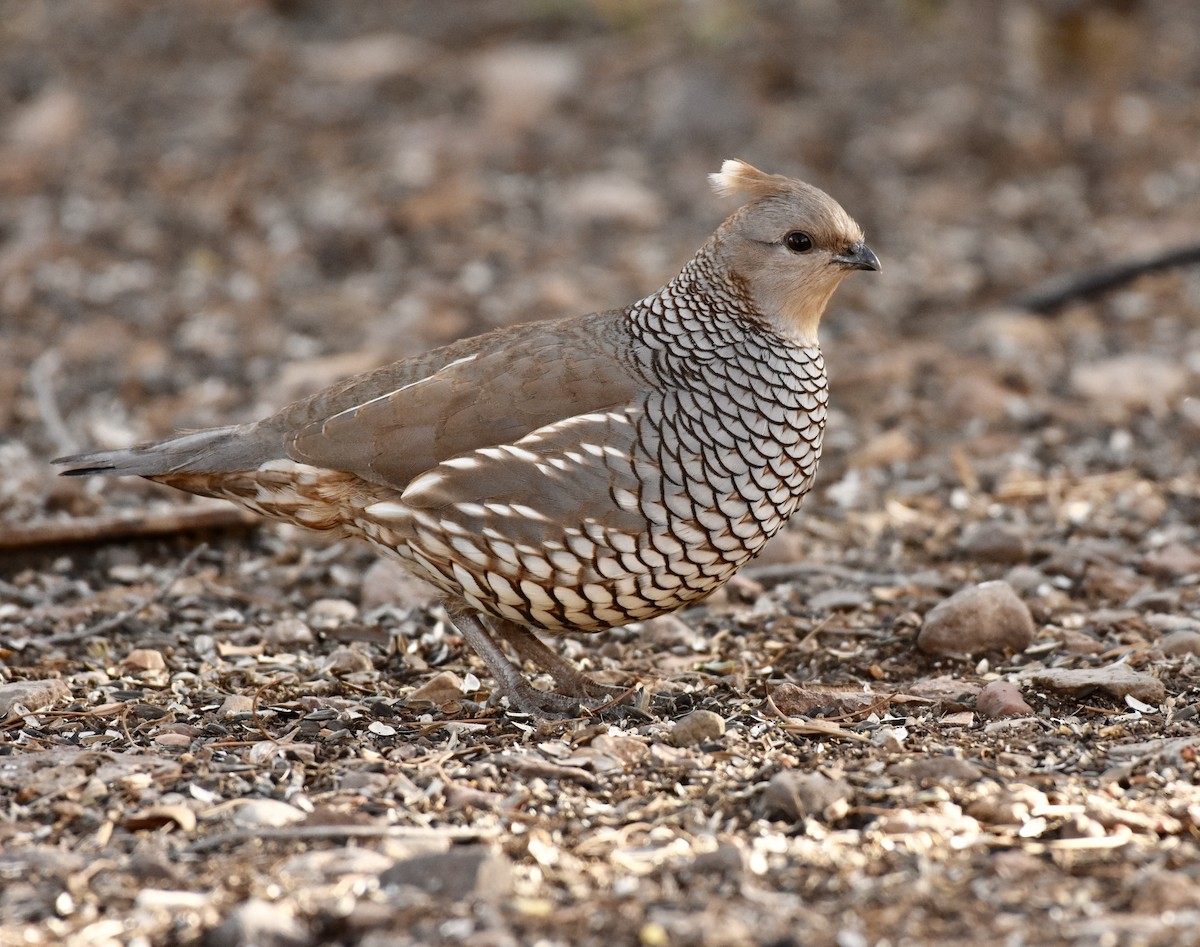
(573, 475)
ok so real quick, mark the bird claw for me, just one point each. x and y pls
(597, 699)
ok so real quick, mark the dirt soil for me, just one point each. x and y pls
(223, 732)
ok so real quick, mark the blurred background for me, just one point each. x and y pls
(208, 208)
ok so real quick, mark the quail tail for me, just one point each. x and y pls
(220, 449)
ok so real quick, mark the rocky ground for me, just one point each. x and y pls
(213, 731)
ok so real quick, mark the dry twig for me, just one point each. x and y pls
(1059, 290)
(123, 526)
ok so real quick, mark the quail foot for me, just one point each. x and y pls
(573, 475)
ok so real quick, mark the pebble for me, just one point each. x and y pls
(261, 924)
(700, 726)
(172, 740)
(833, 600)
(1160, 890)
(1079, 642)
(792, 795)
(1147, 382)
(156, 817)
(801, 700)
(235, 705)
(608, 199)
(1181, 643)
(331, 612)
(669, 631)
(1026, 580)
(346, 660)
(884, 450)
(365, 59)
(1002, 699)
(978, 397)
(455, 874)
(724, 861)
(1172, 561)
(386, 582)
(324, 866)
(521, 83)
(271, 813)
(1118, 680)
(1008, 805)
(624, 749)
(32, 695)
(439, 689)
(936, 770)
(984, 618)
(287, 631)
(144, 659)
(50, 121)
(994, 541)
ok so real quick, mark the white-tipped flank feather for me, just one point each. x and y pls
(739, 177)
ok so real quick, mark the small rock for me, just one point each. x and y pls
(236, 704)
(625, 749)
(1159, 891)
(387, 582)
(1002, 699)
(668, 631)
(883, 450)
(833, 600)
(521, 83)
(802, 700)
(1116, 679)
(1166, 623)
(792, 795)
(287, 631)
(1079, 642)
(157, 899)
(978, 397)
(173, 740)
(324, 866)
(700, 726)
(267, 812)
(1180, 643)
(439, 689)
(1026, 580)
(259, 923)
(1172, 561)
(455, 874)
(944, 689)
(1008, 805)
(49, 122)
(610, 198)
(993, 541)
(32, 695)
(1146, 382)
(347, 661)
(155, 817)
(936, 770)
(724, 861)
(984, 618)
(331, 612)
(144, 659)
(368, 58)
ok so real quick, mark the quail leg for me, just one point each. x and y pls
(523, 695)
(570, 679)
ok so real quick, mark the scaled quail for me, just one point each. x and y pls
(572, 475)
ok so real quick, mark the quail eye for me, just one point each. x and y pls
(798, 242)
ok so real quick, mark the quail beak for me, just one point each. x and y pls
(859, 257)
